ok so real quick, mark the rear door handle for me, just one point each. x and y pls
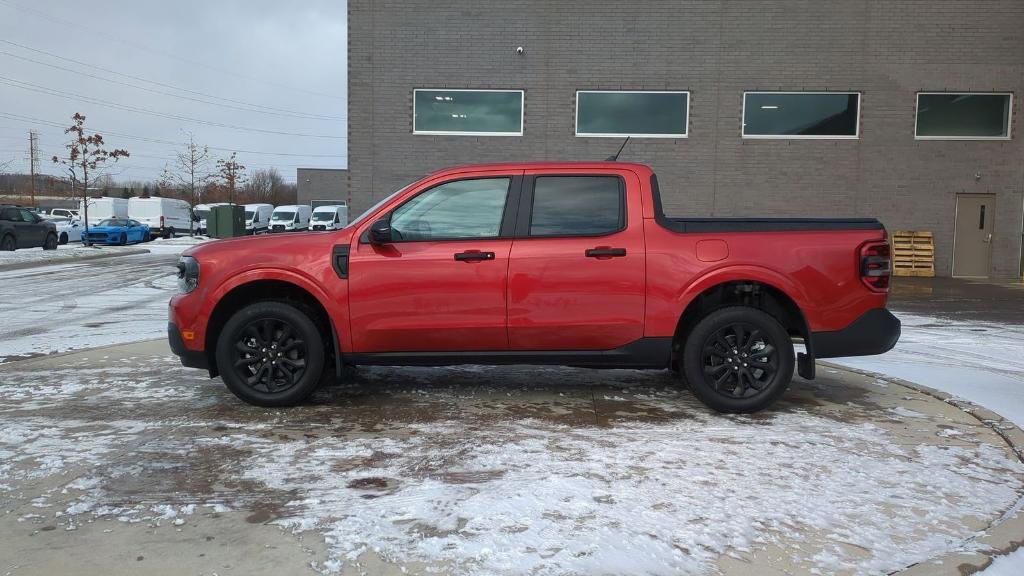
(606, 252)
(473, 256)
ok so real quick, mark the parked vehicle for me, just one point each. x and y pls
(62, 213)
(257, 218)
(119, 231)
(538, 263)
(22, 228)
(105, 208)
(202, 212)
(67, 230)
(329, 218)
(290, 218)
(166, 217)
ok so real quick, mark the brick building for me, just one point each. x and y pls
(321, 185)
(903, 110)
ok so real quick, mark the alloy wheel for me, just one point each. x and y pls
(269, 356)
(739, 360)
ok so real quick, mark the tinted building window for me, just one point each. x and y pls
(468, 112)
(460, 209)
(577, 206)
(644, 114)
(963, 115)
(800, 115)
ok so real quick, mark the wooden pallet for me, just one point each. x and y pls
(913, 253)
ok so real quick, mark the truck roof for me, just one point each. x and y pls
(607, 164)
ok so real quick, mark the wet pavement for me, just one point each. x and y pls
(960, 299)
(119, 461)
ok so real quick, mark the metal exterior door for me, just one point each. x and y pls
(972, 241)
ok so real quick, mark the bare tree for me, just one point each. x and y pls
(86, 158)
(5, 166)
(190, 171)
(232, 175)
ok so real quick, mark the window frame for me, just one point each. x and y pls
(1009, 116)
(505, 228)
(522, 113)
(524, 219)
(743, 116)
(576, 122)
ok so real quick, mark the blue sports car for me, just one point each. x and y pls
(118, 231)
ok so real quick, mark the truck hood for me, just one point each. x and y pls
(107, 229)
(266, 247)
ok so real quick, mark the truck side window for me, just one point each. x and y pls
(577, 206)
(454, 210)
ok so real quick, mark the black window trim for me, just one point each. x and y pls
(525, 219)
(508, 216)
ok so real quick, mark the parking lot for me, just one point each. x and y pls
(127, 462)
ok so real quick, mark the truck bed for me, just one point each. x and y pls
(766, 224)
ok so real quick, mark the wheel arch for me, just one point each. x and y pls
(246, 291)
(746, 290)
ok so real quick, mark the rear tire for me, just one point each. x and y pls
(51, 242)
(738, 360)
(271, 354)
(8, 244)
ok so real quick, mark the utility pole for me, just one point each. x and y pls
(33, 161)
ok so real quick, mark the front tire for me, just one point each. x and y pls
(271, 354)
(7, 244)
(51, 242)
(123, 240)
(63, 238)
(738, 360)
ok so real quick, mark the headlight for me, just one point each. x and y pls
(188, 274)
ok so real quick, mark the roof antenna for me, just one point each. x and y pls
(616, 157)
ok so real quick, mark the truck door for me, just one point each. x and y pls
(576, 272)
(439, 286)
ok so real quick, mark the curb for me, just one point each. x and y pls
(71, 259)
(1005, 534)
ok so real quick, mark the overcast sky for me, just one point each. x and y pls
(271, 73)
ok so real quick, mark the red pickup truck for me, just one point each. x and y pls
(537, 263)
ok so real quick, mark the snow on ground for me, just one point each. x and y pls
(982, 362)
(1010, 565)
(83, 305)
(175, 245)
(452, 479)
(74, 250)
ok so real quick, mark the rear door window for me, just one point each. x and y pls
(577, 206)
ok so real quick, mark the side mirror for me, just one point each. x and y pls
(380, 231)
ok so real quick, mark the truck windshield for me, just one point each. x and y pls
(249, 214)
(283, 216)
(323, 216)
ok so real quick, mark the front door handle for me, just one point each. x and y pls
(474, 256)
(603, 252)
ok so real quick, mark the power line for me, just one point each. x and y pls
(31, 120)
(77, 26)
(99, 102)
(258, 107)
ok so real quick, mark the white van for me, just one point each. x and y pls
(290, 218)
(166, 217)
(103, 208)
(257, 218)
(202, 211)
(329, 218)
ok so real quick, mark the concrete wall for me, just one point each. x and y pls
(321, 184)
(887, 50)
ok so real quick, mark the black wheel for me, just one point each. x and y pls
(7, 244)
(738, 359)
(51, 242)
(63, 238)
(123, 240)
(271, 354)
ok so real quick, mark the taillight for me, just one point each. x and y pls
(876, 265)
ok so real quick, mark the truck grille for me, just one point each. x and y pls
(319, 227)
(277, 228)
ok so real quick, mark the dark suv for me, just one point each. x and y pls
(22, 228)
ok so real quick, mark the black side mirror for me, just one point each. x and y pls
(380, 231)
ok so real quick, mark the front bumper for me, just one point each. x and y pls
(189, 358)
(875, 332)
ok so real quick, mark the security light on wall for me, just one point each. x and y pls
(520, 50)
